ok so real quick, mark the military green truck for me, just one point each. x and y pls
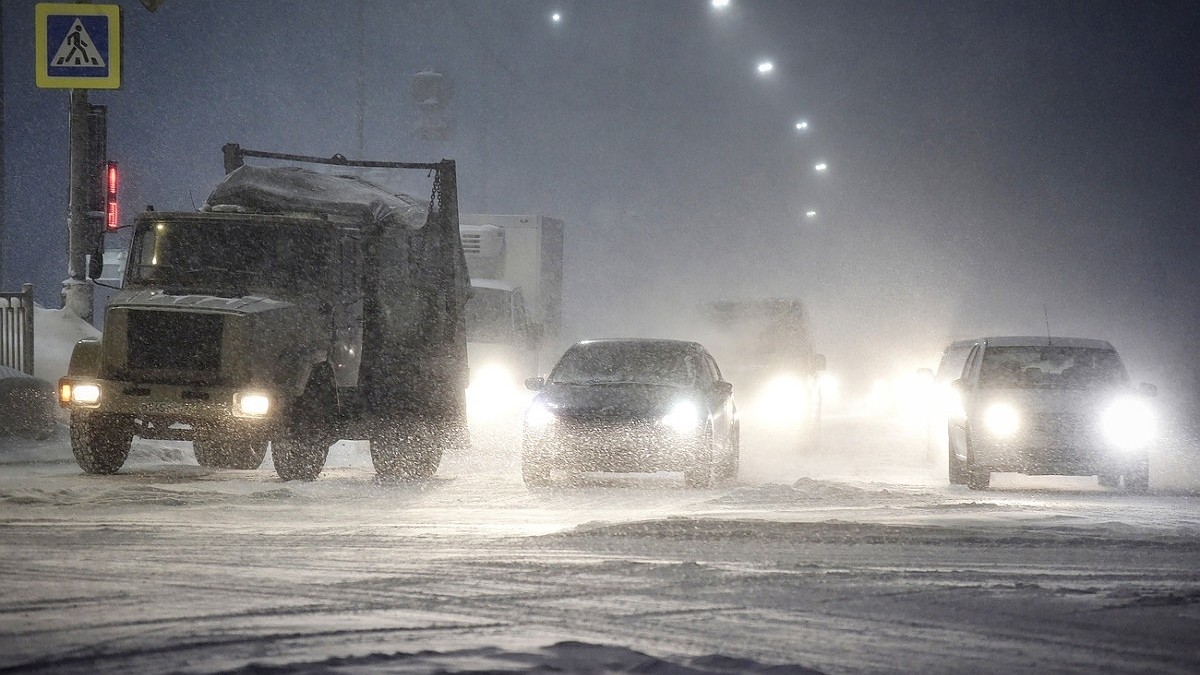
(296, 308)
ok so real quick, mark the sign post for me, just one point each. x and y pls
(78, 47)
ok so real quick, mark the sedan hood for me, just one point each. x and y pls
(624, 400)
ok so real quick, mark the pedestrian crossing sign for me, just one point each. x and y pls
(78, 46)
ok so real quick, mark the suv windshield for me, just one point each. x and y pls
(1050, 368)
(603, 363)
(199, 255)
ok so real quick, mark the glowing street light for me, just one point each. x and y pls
(720, 4)
(822, 167)
(810, 214)
(556, 17)
(802, 125)
(765, 67)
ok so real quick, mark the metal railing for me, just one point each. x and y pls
(16, 329)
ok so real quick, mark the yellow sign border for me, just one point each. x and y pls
(44, 79)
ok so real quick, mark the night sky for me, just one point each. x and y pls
(991, 164)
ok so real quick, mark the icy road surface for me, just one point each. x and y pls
(858, 558)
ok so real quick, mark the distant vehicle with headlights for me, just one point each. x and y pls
(632, 406)
(939, 394)
(1049, 405)
(295, 309)
(766, 348)
(513, 316)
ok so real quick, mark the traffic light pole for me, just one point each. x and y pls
(77, 291)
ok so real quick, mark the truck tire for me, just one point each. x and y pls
(299, 454)
(301, 444)
(410, 446)
(700, 473)
(218, 450)
(100, 442)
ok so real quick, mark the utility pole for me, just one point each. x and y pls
(3, 176)
(77, 292)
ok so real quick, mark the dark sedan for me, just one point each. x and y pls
(631, 406)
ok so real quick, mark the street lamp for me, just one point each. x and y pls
(556, 17)
(720, 4)
(765, 67)
(821, 167)
(802, 125)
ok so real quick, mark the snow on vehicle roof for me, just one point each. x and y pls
(1046, 341)
(295, 189)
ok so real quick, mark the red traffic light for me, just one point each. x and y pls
(110, 198)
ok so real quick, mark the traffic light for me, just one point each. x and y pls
(111, 221)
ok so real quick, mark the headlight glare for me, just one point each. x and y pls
(1001, 419)
(683, 417)
(251, 404)
(85, 394)
(1129, 423)
(539, 416)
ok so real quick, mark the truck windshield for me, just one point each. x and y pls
(1050, 368)
(198, 255)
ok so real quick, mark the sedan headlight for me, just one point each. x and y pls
(1129, 423)
(1001, 420)
(683, 417)
(538, 416)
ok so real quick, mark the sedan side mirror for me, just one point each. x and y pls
(722, 387)
(535, 383)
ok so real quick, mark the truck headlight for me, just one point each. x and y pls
(493, 390)
(251, 404)
(538, 416)
(1129, 423)
(85, 394)
(683, 417)
(784, 400)
(1001, 419)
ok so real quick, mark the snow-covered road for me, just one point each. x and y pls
(857, 558)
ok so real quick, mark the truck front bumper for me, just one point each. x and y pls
(170, 403)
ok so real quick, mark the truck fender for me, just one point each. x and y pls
(85, 358)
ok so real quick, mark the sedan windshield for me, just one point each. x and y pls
(1050, 368)
(603, 363)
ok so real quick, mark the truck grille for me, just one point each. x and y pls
(175, 341)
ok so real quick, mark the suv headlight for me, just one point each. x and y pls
(1001, 419)
(1129, 423)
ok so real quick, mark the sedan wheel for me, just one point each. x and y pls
(700, 473)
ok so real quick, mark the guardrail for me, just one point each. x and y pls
(16, 329)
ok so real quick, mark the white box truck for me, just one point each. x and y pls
(514, 315)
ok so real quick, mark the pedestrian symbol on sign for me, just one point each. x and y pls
(77, 49)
